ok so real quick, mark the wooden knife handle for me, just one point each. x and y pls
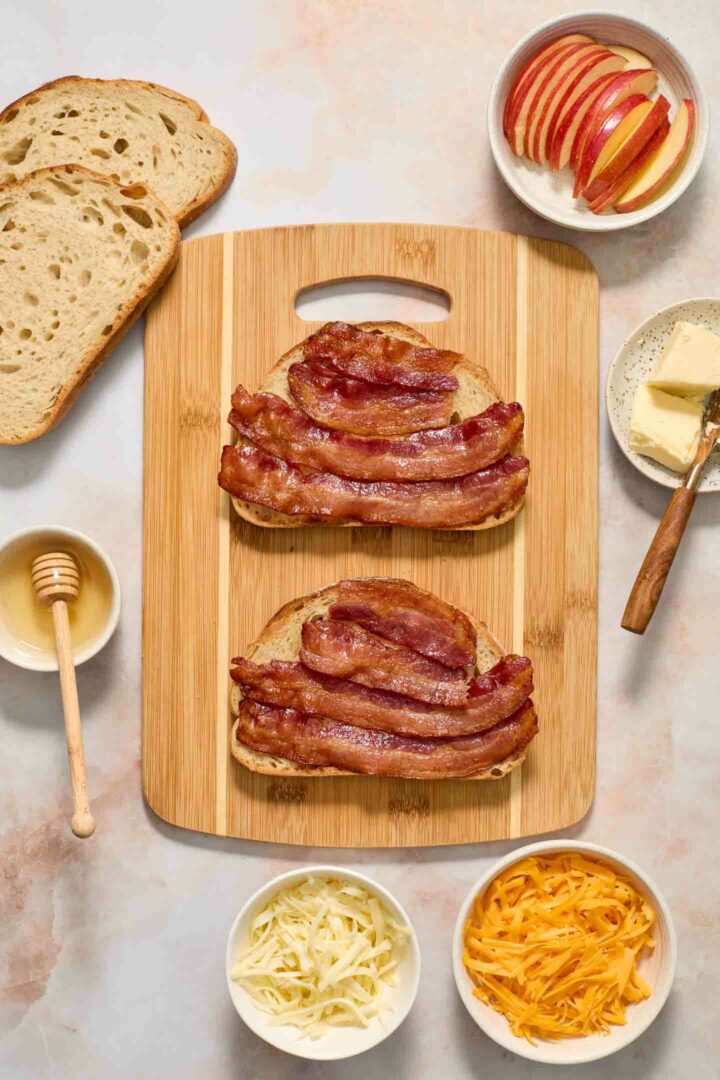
(653, 573)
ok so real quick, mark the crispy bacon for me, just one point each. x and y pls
(492, 697)
(319, 741)
(251, 474)
(402, 613)
(349, 652)
(365, 408)
(380, 358)
(279, 428)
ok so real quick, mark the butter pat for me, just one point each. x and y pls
(665, 428)
(690, 363)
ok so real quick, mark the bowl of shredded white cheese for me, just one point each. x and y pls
(323, 963)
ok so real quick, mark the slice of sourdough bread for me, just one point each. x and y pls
(135, 132)
(475, 393)
(80, 257)
(280, 640)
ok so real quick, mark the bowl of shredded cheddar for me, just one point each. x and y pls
(564, 952)
(322, 963)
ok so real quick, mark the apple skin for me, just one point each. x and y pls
(532, 80)
(547, 102)
(623, 86)
(548, 77)
(630, 149)
(520, 83)
(573, 93)
(614, 191)
(564, 136)
(595, 146)
(626, 206)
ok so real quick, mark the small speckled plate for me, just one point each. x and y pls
(633, 365)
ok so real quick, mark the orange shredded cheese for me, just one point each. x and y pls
(554, 943)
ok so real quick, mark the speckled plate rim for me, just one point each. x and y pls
(653, 470)
(572, 22)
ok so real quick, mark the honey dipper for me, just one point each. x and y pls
(56, 580)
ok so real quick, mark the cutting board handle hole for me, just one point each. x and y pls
(376, 299)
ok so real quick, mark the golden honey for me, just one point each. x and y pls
(28, 621)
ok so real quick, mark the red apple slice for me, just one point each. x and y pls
(660, 168)
(545, 105)
(525, 102)
(566, 130)
(553, 76)
(624, 85)
(566, 96)
(627, 152)
(612, 192)
(527, 73)
(522, 99)
(613, 131)
(542, 110)
(633, 59)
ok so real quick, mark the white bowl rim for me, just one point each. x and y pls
(639, 329)
(93, 647)
(505, 1037)
(311, 1050)
(602, 223)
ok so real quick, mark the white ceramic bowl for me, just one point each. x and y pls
(345, 1042)
(658, 970)
(56, 535)
(550, 193)
(633, 364)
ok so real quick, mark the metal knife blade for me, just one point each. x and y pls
(708, 438)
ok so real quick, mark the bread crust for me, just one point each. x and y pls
(197, 206)
(471, 376)
(130, 312)
(282, 633)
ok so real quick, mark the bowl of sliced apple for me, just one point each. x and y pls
(597, 121)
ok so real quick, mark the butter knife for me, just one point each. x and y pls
(653, 573)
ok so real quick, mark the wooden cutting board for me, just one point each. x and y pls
(527, 310)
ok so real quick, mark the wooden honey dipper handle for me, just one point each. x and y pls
(57, 580)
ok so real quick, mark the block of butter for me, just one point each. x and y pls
(690, 362)
(665, 428)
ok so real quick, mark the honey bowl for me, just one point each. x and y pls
(26, 626)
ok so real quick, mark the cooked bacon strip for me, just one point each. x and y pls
(400, 612)
(492, 697)
(318, 741)
(249, 473)
(382, 359)
(279, 428)
(365, 408)
(349, 652)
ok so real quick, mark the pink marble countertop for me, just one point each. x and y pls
(111, 962)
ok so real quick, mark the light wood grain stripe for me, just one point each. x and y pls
(226, 361)
(518, 635)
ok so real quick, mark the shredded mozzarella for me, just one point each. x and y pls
(323, 953)
(554, 945)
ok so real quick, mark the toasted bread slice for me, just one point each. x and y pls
(135, 132)
(80, 257)
(475, 393)
(280, 640)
